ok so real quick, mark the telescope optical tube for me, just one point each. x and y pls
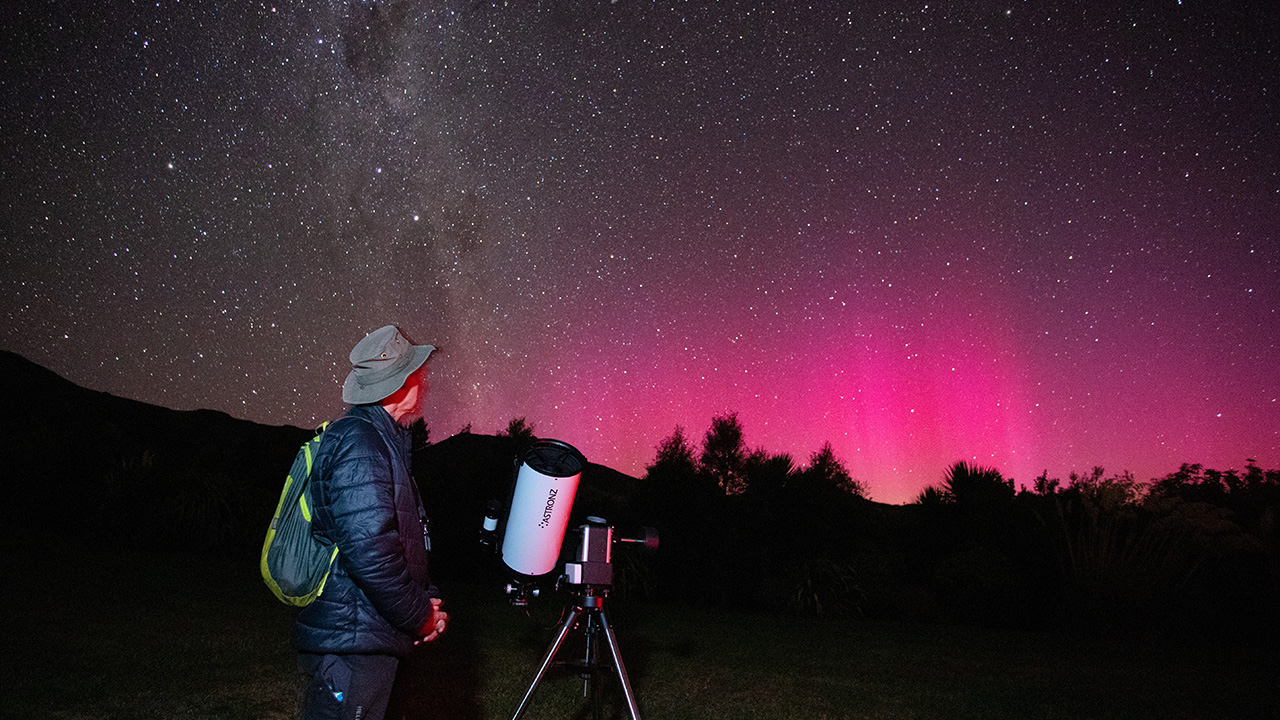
(546, 484)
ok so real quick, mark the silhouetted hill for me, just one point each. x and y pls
(81, 462)
(85, 462)
(54, 423)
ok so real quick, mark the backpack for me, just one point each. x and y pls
(296, 563)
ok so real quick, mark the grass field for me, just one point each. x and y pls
(104, 634)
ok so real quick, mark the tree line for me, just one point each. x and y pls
(1196, 548)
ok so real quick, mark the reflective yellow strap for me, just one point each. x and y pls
(288, 480)
(307, 447)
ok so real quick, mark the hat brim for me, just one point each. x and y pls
(356, 394)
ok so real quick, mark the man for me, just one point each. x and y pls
(378, 602)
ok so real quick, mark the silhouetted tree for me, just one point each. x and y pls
(762, 472)
(674, 478)
(421, 435)
(681, 504)
(968, 545)
(978, 489)
(724, 454)
(520, 430)
(1043, 485)
(932, 496)
(826, 471)
(675, 455)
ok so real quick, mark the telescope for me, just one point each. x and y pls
(546, 483)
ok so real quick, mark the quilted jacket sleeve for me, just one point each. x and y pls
(361, 501)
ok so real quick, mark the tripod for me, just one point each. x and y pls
(587, 614)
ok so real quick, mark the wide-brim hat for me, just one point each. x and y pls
(380, 363)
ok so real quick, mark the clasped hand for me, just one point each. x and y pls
(435, 624)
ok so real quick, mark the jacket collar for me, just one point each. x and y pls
(385, 424)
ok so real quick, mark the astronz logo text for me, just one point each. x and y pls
(546, 514)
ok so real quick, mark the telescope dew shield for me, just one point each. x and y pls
(546, 484)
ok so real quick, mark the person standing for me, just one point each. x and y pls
(378, 601)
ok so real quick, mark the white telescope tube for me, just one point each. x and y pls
(540, 505)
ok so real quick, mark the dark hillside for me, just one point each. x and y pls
(88, 464)
(46, 408)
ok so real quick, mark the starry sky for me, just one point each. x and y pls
(1033, 236)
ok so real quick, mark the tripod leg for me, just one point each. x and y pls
(589, 658)
(565, 627)
(622, 670)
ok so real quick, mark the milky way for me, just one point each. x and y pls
(1035, 239)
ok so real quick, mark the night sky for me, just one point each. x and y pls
(1036, 237)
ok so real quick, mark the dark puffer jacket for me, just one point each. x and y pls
(377, 596)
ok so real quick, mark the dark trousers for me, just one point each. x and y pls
(346, 687)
